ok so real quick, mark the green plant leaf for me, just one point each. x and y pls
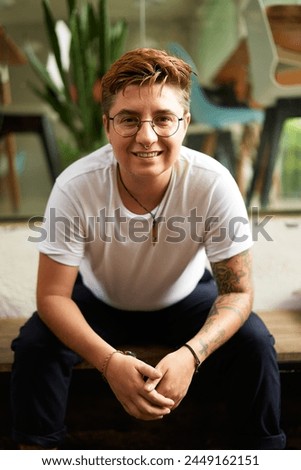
(84, 73)
(95, 44)
(40, 69)
(55, 104)
(50, 23)
(71, 6)
(118, 37)
(52, 36)
(104, 37)
(93, 23)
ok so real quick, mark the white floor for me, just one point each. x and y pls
(277, 264)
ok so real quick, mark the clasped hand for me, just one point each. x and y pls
(147, 392)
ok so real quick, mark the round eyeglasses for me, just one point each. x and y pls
(164, 125)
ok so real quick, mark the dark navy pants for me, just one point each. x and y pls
(244, 369)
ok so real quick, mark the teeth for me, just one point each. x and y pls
(147, 154)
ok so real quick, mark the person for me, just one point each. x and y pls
(146, 240)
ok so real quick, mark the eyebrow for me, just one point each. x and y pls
(126, 111)
(161, 111)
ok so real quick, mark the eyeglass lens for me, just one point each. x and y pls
(164, 125)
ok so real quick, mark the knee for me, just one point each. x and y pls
(258, 340)
(262, 345)
(34, 338)
(37, 345)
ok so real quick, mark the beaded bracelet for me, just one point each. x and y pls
(197, 361)
(109, 356)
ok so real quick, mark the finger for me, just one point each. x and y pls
(159, 400)
(155, 411)
(148, 371)
(144, 409)
(151, 384)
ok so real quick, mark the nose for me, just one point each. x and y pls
(146, 134)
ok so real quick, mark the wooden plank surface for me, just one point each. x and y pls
(285, 325)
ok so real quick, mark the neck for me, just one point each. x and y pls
(142, 195)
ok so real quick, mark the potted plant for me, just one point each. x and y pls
(95, 44)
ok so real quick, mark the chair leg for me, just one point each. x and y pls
(209, 144)
(269, 144)
(285, 109)
(262, 152)
(272, 157)
(248, 144)
(37, 124)
(225, 143)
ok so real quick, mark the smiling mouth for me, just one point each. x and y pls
(147, 154)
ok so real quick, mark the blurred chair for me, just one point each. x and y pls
(10, 55)
(270, 70)
(14, 121)
(217, 120)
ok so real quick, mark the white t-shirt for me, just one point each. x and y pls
(86, 224)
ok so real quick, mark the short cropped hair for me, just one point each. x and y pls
(145, 66)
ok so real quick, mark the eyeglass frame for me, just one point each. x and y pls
(151, 121)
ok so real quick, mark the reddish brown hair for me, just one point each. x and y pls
(145, 66)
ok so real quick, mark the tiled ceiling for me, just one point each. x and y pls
(13, 12)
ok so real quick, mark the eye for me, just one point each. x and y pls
(164, 120)
(127, 120)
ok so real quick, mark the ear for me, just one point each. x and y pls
(106, 125)
(187, 119)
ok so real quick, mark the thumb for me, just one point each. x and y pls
(149, 372)
(151, 384)
(152, 380)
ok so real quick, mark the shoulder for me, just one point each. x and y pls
(200, 162)
(204, 172)
(87, 168)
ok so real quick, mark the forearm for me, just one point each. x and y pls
(125, 374)
(66, 321)
(231, 308)
(227, 315)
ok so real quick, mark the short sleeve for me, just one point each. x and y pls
(227, 225)
(63, 232)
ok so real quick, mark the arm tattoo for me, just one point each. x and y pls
(203, 351)
(230, 275)
(220, 332)
(233, 278)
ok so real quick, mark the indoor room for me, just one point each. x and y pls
(245, 113)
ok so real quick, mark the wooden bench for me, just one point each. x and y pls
(104, 421)
(285, 325)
